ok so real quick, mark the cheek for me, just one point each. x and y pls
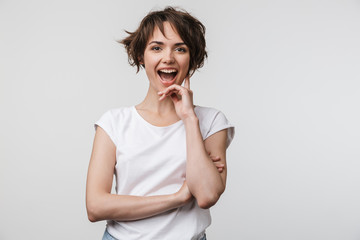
(185, 62)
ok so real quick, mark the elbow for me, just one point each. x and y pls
(205, 204)
(92, 217)
(208, 201)
(93, 212)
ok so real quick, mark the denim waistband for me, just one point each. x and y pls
(107, 236)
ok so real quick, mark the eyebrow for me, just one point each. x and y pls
(161, 43)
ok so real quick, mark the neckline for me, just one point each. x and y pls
(152, 125)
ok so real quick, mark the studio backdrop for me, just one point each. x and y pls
(285, 73)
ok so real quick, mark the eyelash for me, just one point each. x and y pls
(157, 48)
(181, 49)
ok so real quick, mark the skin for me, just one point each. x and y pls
(163, 105)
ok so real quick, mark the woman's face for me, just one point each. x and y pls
(166, 59)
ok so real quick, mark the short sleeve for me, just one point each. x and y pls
(220, 122)
(106, 122)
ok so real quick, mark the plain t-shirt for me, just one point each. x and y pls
(151, 160)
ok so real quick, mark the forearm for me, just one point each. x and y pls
(108, 206)
(203, 179)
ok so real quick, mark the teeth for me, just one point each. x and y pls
(168, 70)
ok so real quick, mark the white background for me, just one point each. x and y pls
(286, 73)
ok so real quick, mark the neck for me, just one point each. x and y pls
(151, 103)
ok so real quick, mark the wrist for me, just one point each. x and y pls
(177, 200)
(190, 119)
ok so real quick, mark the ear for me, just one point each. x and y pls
(140, 59)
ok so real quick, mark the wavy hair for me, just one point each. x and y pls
(190, 29)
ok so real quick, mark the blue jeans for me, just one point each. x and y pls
(107, 236)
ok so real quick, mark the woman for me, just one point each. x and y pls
(167, 154)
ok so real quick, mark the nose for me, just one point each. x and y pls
(168, 57)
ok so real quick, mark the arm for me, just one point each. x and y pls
(205, 180)
(101, 204)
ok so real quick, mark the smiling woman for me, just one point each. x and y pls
(168, 155)
(166, 58)
(191, 30)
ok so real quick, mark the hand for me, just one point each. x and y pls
(182, 98)
(220, 166)
(184, 194)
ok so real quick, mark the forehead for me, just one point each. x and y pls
(170, 33)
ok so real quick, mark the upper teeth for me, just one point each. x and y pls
(167, 70)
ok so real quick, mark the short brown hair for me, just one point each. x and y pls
(190, 29)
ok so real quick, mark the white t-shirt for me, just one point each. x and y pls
(151, 160)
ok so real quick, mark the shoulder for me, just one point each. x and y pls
(118, 112)
(207, 115)
(212, 120)
(116, 115)
(113, 120)
(202, 112)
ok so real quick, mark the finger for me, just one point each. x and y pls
(219, 165)
(167, 92)
(219, 168)
(162, 97)
(171, 88)
(215, 158)
(187, 82)
(174, 97)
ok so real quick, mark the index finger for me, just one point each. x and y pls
(187, 82)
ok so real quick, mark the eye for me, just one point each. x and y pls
(180, 49)
(156, 48)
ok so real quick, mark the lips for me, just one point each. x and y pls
(167, 76)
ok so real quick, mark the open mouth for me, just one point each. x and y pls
(167, 75)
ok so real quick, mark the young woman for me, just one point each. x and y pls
(168, 155)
